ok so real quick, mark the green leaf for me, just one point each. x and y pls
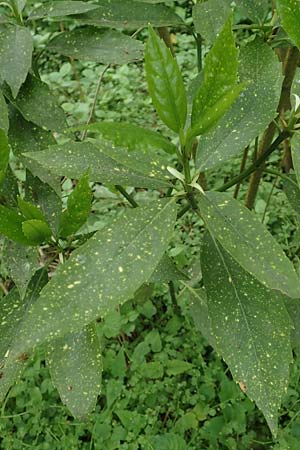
(256, 10)
(165, 83)
(177, 366)
(246, 318)
(37, 104)
(12, 311)
(132, 137)
(168, 441)
(209, 18)
(218, 90)
(9, 190)
(26, 137)
(213, 114)
(295, 150)
(93, 44)
(61, 8)
(105, 163)
(36, 231)
(289, 12)
(4, 155)
(15, 56)
(130, 14)
(199, 312)
(11, 225)
(29, 210)
(78, 208)
(293, 307)
(251, 113)
(292, 191)
(102, 273)
(152, 370)
(3, 114)
(75, 364)
(46, 198)
(241, 233)
(21, 263)
(165, 271)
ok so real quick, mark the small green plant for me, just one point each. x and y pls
(61, 279)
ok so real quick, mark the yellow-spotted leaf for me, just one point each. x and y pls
(251, 329)
(102, 273)
(75, 364)
(248, 241)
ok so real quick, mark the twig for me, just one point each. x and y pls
(83, 136)
(257, 163)
(269, 199)
(128, 197)
(242, 168)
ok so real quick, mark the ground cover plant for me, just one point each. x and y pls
(71, 282)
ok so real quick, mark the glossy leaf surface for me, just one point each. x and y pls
(78, 208)
(220, 73)
(246, 319)
(36, 231)
(105, 163)
(289, 12)
(92, 44)
(244, 237)
(132, 137)
(15, 55)
(251, 113)
(165, 83)
(76, 367)
(102, 273)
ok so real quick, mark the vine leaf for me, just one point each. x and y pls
(245, 238)
(75, 364)
(245, 319)
(165, 83)
(102, 273)
(15, 56)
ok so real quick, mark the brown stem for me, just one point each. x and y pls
(289, 69)
(242, 168)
